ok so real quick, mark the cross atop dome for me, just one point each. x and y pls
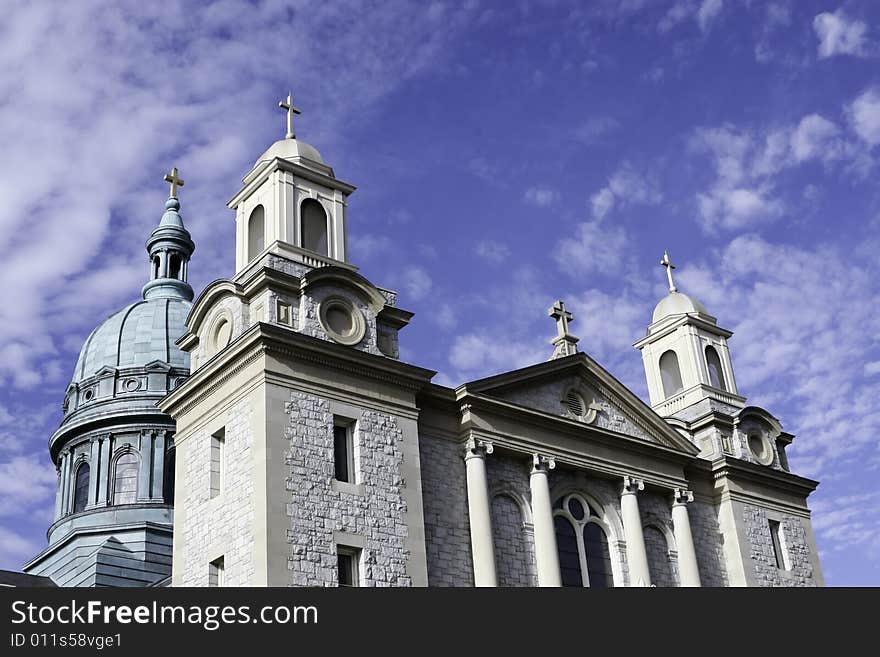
(565, 343)
(287, 104)
(175, 181)
(666, 262)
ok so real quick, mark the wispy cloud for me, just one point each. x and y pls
(492, 251)
(541, 196)
(625, 187)
(840, 35)
(864, 116)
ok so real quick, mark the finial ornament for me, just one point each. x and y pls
(175, 182)
(287, 104)
(666, 262)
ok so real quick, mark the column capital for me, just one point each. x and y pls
(477, 448)
(632, 485)
(542, 463)
(681, 496)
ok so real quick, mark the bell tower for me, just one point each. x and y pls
(685, 354)
(290, 204)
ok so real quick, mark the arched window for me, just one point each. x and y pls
(660, 565)
(81, 488)
(168, 476)
(716, 374)
(314, 226)
(584, 554)
(174, 266)
(670, 374)
(156, 267)
(125, 476)
(256, 232)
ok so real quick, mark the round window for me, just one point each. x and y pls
(222, 333)
(132, 384)
(88, 394)
(760, 448)
(341, 320)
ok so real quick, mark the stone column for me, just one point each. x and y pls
(103, 471)
(59, 489)
(688, 572)
(479, 512)
(65, 483)
(546, 554)
(158, 466)
(636, 555)
(94, 475)
(145, 465)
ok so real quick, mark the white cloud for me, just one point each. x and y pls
(593, 130)
(541, 196)
(594, 248)
(416, 283)
(872, 368)
(704, 12)
(747, 162)
(708, 11)
(14, 548)
(81, 173)
(24, 482)
(366, 245)
(864, 115)
(625, 187)
(492, 251)
(477, 355)
(840, 35)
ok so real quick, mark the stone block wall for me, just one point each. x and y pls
(223, 525)
(322, 513)
(708, 543)
(447, 529)
(512, 531)
(756, 524)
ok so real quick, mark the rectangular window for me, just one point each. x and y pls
(215, 572)
(779, 545)
(348, 559)
(218, 441)
(343, 449)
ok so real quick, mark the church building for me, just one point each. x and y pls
(271, 428)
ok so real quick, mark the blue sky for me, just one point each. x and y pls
(506, 155)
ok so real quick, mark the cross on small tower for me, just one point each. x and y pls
(175, 182)
(564, 343)
(666, 262)
(287, 104)
(562, 316)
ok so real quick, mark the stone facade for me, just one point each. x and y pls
(447, 532)
(223, 524)
(323, 514)
(708, 543)
(762, 553)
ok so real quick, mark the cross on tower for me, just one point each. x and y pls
(175, 182)
(666, 262)
(287, 104)
(562, 316)
(564, 343)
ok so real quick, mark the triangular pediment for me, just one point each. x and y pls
(578, 388)
(157, 366)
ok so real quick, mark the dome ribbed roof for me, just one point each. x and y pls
(676, 303)
(138, 334)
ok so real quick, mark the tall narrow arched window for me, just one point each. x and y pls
(314, 226)
(598, 556)
(713, 363)
(582, 544)
(125, 476)
(81, 488)
(168, 476)
(670, 374)
(256, 229)
(174, 266)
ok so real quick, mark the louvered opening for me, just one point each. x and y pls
(575, 403)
